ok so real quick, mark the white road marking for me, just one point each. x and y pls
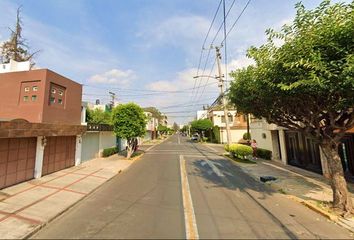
(189, 216)
(179, 141)
(214, 168)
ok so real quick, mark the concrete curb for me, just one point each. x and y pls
(338, 220)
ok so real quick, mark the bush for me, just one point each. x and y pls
(246, 136)
(264, 153)
(226, 147)
(109, 151)
(240, 150)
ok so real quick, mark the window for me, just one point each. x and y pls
(60, 101)
(27, 89)
(34, 98)
(34, 88)
(61, 93)
(53, 90)
(25, 98)
(223, 119)
(52, 100)
(230, 119)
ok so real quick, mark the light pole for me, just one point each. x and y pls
(221, 86)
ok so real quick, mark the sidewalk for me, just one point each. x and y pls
(308, 188)
(28, 206)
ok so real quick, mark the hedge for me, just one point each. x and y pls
(264, 153)
(226, 147)
(109, 151)
(240, 150)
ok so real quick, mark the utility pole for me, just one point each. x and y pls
(221, 85)
(113, 96)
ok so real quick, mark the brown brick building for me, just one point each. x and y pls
(40, 131)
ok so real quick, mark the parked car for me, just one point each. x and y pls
(195, 137)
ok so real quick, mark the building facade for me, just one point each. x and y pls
(237, 122)
(296, 149)
(40, 124)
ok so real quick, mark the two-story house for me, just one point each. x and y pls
(40, 124)
(237, 122)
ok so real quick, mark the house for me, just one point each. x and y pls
(40, 123)
(151, 126)
(237, 122)
(296, 149)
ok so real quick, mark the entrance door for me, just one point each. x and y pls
(17, 160)
(59, 153)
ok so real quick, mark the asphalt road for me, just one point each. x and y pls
(180, 189)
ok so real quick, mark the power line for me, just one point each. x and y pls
(152, 92)
(212, 42)
(221, 25)
(203, 45)
(237, 19)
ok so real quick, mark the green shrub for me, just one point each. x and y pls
(240, 150)
(109, 151)
(264, 153)
(226, 147)
(246, 136)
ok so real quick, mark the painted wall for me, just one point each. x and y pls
(236, 135)
(107, 140)
(90, 146)
(93, 144)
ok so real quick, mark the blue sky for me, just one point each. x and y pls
(144, 51)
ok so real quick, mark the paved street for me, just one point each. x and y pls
(180, 189)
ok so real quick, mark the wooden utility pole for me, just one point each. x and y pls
(222, 93)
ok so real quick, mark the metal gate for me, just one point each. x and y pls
(17, 160)
(59, 153)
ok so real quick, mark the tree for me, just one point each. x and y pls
(307, 83)
(129, 122)
(16, 48)
(201, 125)
(175, 127)
(162, 129)
(98, 116)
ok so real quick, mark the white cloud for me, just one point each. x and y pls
(114, 76)
(74, 55)
(241, 62)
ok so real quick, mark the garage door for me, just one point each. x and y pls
(59, 153)
(17, 160)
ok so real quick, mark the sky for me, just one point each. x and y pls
(144, 51)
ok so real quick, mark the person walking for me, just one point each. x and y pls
(254, 148)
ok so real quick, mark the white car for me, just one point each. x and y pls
(195, 137)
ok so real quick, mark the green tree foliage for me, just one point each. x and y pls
(307, 83)
(129, 122)
(201, 125)
(16, 48)
(98, 116)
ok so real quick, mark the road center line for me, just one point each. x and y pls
(179, 141)
(189, 216)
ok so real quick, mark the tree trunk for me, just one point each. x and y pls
(130, 148)
(341, 197)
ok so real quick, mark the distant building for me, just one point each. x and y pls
(14, 66)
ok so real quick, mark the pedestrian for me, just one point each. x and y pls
(254, 148)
